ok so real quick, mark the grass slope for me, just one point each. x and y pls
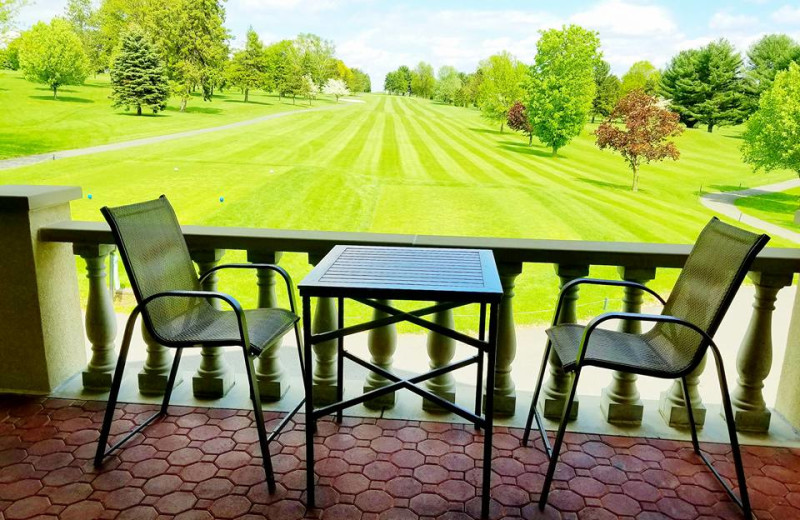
(410, 166)
(777, 208)
(34, 122)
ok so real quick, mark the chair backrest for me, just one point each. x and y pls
(156, 258)
(705, 289)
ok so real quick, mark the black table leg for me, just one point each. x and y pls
(494, 316)
(310, 423)
(479, 379)
(340, 358)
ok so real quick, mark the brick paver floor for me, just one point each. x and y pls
(204, 463)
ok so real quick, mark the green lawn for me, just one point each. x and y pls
(33, 122)
(778, 208)
(405, 165)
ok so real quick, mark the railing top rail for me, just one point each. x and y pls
(506, 250)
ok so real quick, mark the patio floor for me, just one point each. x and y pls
(204, 463)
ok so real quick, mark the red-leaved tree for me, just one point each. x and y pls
(518, 120)
(644, 134)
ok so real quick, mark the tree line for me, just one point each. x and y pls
(155, 48)
(568, 84)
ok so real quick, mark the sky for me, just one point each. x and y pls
(378, 36)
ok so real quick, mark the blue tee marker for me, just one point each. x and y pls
(222, 199)
(89, 196)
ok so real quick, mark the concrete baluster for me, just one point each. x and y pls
(155, 372)
(556, 389)
(101, 322)
(441, 350)
(272, 381)
(214, 378)
(620, 400)
(754, 360)
(382, 343)
(324, 376)
(505, 393)
(672, 404)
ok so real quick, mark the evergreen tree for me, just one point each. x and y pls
(768, 56)
(608, 90)
(137, 77)
(707, 85)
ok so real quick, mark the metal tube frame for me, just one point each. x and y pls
(113, 397)
(742, 500)
(483, 345)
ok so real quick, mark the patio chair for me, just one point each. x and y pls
(671, 349)
(179, 315)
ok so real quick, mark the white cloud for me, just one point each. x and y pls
(627, 19)
(724, 21)
(787, 15)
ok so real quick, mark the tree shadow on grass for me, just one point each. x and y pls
(487, 131)
(529, 150)
(780, 203)
(726, 187)
(63, 99)
(242, 102)
(145, 114)
(604, 184)
(196, 110)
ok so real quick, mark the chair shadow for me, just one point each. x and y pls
(63, 99)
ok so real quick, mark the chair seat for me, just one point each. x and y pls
(610, 349)
(220, 328)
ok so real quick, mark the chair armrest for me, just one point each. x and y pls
(230, 300)
(598, 281)
(272, 267)
(633, 316)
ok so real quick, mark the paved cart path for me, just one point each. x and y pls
(27, 160)
(725, 204)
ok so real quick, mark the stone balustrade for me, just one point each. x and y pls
(772, 270)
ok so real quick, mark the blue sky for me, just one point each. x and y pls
(378, 36)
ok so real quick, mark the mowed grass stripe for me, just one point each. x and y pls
(493, 165)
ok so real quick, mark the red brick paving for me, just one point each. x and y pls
(200, 464)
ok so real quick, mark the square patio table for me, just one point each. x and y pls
(449, 277)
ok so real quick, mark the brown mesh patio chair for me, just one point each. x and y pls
(671, 349)
(179, 314)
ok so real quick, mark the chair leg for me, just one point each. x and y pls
(259, 418)
(113, 395)
(690, 411)
(536, 391)
(562, 429)
(731, 423)
(173, 374)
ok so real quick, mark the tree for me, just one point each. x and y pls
(398, 81)
(772, 135)
(562, 87)
(518, 120)
(607, 90)
(10, 58)
(768, 56)
(641, 76)
(647, 132)
(194, 44)
(8, 10)
(52, 54)
(448, 84)
(707, 85)
(309, 88)
(335, 87)
(83, 18)
(360, 82)
(137, 76)
(423, 81)
(501, 84)
(316, 56)
(248, 68)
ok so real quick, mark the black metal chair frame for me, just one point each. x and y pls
(249, 354)
(743, 501)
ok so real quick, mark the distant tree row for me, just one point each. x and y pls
(189, 43)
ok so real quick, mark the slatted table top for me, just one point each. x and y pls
(405, 273)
